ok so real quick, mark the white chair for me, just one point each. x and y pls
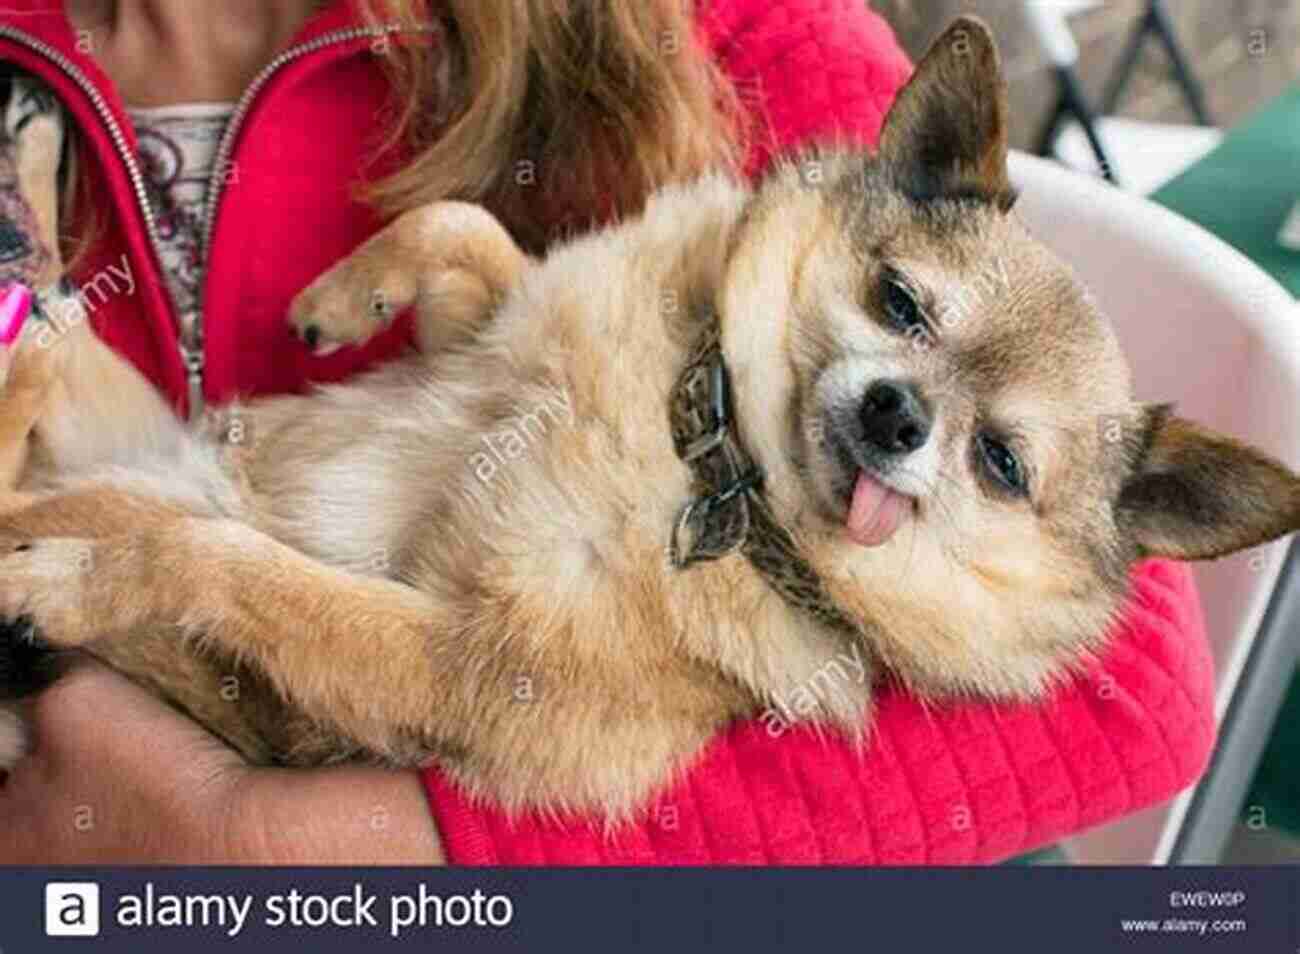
(1145, 148)
(1202, 326)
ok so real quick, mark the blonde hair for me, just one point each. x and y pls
(553, 113)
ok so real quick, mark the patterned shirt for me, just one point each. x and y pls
(178, 151)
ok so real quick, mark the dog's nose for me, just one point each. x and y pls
(894, 418)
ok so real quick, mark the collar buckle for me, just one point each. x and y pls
(704, 387)
(728, 515)
(699, 510)
(717, 522)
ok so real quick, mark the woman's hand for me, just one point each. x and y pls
(116, 777)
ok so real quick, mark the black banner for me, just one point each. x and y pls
(1057, 909)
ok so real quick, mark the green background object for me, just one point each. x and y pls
(1242, 192)
(1276, 789)
(1244, 189)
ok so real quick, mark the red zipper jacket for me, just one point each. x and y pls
(968, 783)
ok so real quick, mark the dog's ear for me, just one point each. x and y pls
(1195, 494)
(946, 134)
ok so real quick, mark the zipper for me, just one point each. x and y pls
(190, 339)
(191, 358)
(226, 147)
(105, 114)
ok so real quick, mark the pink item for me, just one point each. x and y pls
(15, 308)
(970, 783)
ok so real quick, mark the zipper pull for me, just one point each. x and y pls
(193, 359)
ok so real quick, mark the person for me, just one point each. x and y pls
(228, 153)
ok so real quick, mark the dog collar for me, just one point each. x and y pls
(729, 513)
(718, 521)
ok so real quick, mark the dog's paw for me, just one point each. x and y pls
(452, 260)
(45, 582)
(31, 101)
(31, 148)
(348, 305)
(34, 125)
(28, 664)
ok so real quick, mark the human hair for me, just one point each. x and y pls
(553, 113)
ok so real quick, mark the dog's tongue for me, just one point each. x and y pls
(875, 512)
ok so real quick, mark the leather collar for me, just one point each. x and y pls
(728, 513)
(717, 521)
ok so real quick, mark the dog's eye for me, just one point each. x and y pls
(1003, 465)
(901, 309)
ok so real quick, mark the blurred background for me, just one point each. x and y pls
(1243, 53)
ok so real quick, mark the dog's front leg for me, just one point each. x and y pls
(31, 141)
(452, 261)
(353, 652)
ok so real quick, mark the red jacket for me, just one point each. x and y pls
(961, 784)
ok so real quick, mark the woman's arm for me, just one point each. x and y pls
(118, 777)
(957, 784)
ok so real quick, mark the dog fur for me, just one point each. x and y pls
(461, 556)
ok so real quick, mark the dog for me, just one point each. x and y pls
(631, 492)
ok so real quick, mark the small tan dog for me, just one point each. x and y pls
(632, 492)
